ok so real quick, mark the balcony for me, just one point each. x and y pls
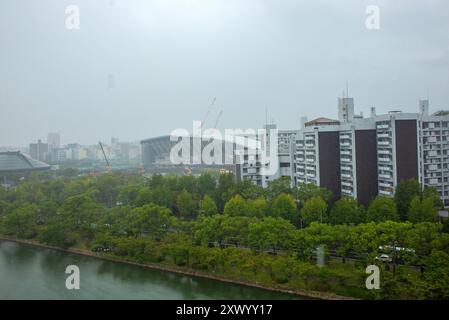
(346, 160)
(383, 135)
(384, 151)
(381, 159)
(345, 144)
(385, 192)
(384, 143)
(385, 176)
(310, 145)
(385, 185)
(383, 126)
(346, 184)
(345, 152)
(346, 176)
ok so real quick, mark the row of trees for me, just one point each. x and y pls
(192, 221)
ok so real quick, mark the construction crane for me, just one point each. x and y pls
(218, 119)
(208, 112)
(105, 158)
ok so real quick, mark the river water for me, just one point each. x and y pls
(28, 272)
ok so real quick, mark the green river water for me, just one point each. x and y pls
(28, 272)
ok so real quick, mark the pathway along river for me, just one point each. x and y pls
(28, 272)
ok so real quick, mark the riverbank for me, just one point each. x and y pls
(181, 271)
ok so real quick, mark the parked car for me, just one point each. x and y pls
(384, 258)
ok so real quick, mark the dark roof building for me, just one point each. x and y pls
(16, 161)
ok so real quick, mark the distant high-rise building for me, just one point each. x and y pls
(54, 140)
(39, 150)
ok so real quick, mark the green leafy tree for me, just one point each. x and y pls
(236, 206)
(162, 196)
(206, 184)
(314, 209)
(405, 191)
(258, 207)
(151, 220)
(185, 204)
(271, 234)
(279, 186)
(306, 191)
(422, 210)
(382, 209)
(208, 207)
(22, 221)
(437, 273)
(284, 206)
(431, 192)
(144, 196)
(223, 192)
(210, 230)
(346, 211)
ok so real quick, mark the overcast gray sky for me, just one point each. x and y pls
(141, 68)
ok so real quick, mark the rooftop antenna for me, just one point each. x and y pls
(347, 89)
(266, 116)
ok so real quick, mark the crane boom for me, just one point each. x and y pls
(105, 158)
(208, 112)
(218, 119)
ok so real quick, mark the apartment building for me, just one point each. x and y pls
(251, 163)
(363, 157)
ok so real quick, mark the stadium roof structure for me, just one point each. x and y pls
(17, 161)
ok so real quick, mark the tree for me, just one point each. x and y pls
(346, 211)
(21, 222)
(150, 219)
(143, 197)
(210, 230)
(406, 190)
(314, 209)
(208, 207)
(284, 206)
(206, 184)
(305, 191)
(226, 183)
(236, 206)
(257, 207)
(382, 209)
(431, 192)
(279, 186)
(235, 229)
(437, 273)
(68, 172)
(162, 196)
(185, 204)
(422, 210)
(271, 234)
(128, 195)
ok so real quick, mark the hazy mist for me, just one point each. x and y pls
(138, 69)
